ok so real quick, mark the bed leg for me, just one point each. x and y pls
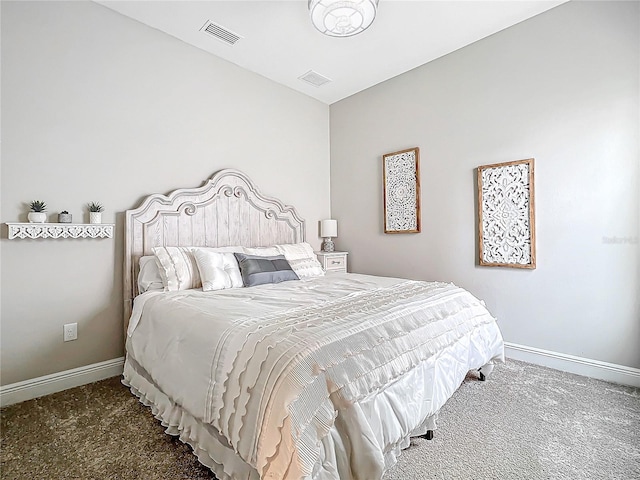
(484, 371)
(428, 435)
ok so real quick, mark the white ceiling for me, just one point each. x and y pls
(279, 42)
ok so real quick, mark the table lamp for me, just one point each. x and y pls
(328, 230)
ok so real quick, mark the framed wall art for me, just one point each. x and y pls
(506, 217)
(401, 186)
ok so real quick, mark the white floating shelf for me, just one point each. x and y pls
(60, 230)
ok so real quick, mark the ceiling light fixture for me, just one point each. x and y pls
(342, 18)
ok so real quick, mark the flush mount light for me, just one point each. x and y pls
(342, 18)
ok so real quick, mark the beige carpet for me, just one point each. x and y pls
(524, 422)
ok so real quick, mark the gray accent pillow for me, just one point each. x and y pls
(257, 270)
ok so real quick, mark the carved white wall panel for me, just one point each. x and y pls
(506, 216)
(59, 230)
(401, 192)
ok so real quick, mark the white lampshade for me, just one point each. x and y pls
(342, 18)
(328, 228)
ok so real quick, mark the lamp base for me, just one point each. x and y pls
(327, 245)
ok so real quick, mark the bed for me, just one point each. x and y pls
(313, 377)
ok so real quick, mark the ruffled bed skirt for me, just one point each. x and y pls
(366, 438)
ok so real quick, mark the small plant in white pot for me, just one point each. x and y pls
(95, 212)
(64, 217)
(37, 213)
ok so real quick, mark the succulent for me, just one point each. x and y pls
(64, 212)
(95, 207)
(38, 206)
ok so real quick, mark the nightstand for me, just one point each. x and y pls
(333, 262)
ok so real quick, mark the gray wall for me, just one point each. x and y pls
(96, 106)
(562, 88)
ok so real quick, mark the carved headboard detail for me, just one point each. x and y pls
(227, 210)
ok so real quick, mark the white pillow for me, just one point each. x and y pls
(149, 276)
(261, 251)
(217, 270)
(302, 259)
(178, 267)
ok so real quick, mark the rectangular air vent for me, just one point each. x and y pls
(221, 33)
(314, 78)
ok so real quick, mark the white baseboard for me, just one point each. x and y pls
(56, 382)
(572, 364)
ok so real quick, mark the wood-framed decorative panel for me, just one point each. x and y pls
(506, 214)
(401, 189)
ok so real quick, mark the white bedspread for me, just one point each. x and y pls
(291, 375)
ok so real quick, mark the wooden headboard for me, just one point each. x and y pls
(227, 210)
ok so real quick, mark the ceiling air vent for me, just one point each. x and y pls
(221, 33)
(314, 78)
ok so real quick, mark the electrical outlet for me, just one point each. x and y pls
(70, 332)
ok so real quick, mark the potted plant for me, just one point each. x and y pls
(37, 213)
(64, 217)
(95, 212)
